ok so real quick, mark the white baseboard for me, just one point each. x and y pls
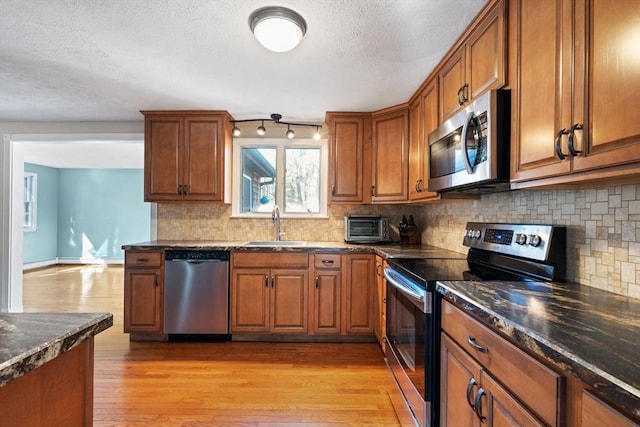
(56, 261)
(39, 264)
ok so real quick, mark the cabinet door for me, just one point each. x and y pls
(380, 318)
(502, 409)
(452, 81)
(347, 135)
(607, 89)
(143, 300)
(596, 413)
(203, 158)
(541, 87)
(390, 156)
(327, 302)
(359, 289)
(250, 298)
(289, 304)
(163, 139)
(486, 53)
(459, 384)
(423, 119)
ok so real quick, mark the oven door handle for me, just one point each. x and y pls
(465, 144)
(409, 293)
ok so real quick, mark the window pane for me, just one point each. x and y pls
(302, 180)
(258, 179)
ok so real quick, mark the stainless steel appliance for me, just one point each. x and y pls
(366, 229)
(196, 294)
(470, 151)
(497, 252)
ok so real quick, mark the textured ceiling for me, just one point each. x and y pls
(86, 60)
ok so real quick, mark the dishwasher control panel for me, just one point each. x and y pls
(191, 254)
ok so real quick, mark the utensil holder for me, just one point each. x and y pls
(410, 235)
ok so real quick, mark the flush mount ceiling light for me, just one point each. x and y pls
(277, 28)
(276, 118)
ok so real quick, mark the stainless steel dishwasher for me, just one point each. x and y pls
(196, 293)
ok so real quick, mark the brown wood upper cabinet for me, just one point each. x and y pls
(575, 98)
(187, 155)
(423, 119)
(478, 62)
(349, 157)
(390, 155)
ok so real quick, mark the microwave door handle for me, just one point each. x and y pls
(465, 147)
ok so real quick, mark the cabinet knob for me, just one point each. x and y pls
(477, 404)
(472, 383)
(571, 137)
(472, 342)
(559, 154)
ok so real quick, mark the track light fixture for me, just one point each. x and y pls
(276, 118)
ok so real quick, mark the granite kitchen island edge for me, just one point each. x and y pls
(46, 367)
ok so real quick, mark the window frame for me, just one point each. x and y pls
(33, 223)
(280, 144)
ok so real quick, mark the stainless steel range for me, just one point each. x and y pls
(496, 252)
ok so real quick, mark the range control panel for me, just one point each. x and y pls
(533, 241)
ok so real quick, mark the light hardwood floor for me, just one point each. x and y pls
(213, 384)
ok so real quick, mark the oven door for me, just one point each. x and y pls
(412, 345)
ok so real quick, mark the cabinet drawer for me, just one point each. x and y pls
(539, 387)
(143, 259)
(270, 259)
(328, 261)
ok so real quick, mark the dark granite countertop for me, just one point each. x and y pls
(582, 331)
(391, 250)
(29, 340)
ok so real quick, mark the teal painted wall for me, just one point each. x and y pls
(42, 244)
(99, 210)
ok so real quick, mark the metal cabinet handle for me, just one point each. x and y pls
(266, 280)
(559, 154)
(477, 404)
(470, 386)
(141, 260)
(155, 280)
(472, 342)
(273, 281)
(570, 138)
(317, 281)
(373, 190)
(463, 94)
(333, 190)
(327, 262)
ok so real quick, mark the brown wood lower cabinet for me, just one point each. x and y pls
(143, 292)
(380, 323)
(269, 292)
(326, 294)
(310, 295)
(487, 380)
(360, 287)
(58, 393)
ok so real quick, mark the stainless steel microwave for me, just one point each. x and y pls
(366, 229)
(470, 151)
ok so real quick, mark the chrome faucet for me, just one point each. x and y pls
(275, 218)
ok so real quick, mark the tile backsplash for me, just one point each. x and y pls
(603, 230)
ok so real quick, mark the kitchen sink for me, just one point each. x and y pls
(276, 243)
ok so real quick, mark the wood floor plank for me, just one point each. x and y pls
(214, 384)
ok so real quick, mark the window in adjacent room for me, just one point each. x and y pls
(289, 173)
(30, 201)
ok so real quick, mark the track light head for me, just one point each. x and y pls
(236, 131)
(290, 133)
(261, 129)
